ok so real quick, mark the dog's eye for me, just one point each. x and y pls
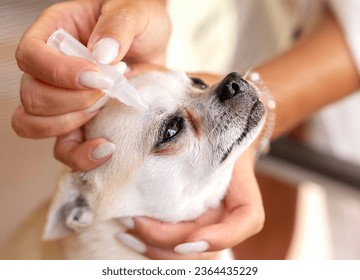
(172, 128)
(198, 83)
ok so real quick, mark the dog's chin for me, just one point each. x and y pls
(252, 129)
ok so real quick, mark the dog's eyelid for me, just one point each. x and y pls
(198, 83)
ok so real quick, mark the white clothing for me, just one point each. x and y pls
(206, 40)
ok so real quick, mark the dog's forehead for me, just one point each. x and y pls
(162, 89)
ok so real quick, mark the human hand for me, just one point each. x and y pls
(57, 90)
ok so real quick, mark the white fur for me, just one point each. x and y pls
(173, 181)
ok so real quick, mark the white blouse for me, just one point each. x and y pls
(228, 35)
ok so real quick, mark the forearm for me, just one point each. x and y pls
(317, 71)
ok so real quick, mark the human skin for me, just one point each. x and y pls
(57, 90)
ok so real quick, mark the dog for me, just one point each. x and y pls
(172, 162)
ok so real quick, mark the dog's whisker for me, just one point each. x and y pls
(215, 126)
(247, 73)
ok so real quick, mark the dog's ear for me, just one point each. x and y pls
(69, 211)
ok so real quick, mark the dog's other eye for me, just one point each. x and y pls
(198, 83)
(172, 128)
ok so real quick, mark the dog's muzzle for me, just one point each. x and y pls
(233, 85)
(240, 101)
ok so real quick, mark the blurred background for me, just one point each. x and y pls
(28, 172)
(313, 173)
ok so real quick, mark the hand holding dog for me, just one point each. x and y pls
(56, 90)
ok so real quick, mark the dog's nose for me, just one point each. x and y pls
(230, 86)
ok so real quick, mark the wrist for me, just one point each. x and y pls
(262, 142)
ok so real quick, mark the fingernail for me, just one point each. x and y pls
(103, 150)
(131, 242)
(106, 50)
(128, 69)
(98, 104)
(192, 247)
(127, 222)
(95, 80)
(120, 67)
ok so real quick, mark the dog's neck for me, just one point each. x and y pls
(106, 246)
(133, 199)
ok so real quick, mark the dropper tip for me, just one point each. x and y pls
(136, 100)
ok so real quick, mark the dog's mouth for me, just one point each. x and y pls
(256, 113)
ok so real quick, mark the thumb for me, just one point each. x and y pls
(79, 155)
(114, 32)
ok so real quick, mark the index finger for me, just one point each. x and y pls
(37, 59)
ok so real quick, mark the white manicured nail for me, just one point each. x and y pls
(95, 80)
(103, 150)
(128, 69)
(106, 50)
(120, 67)
(192, 247)
(98, 104)
(127, 222)
(131, 242)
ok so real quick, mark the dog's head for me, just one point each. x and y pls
(172, 161)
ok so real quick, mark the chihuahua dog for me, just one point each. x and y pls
(172, 161)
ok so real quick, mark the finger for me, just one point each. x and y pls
(39, 98)
(137, 245)
(138, 68)
(168, 235)
(37, 127)
(71, 150)
(109, 44)
(155, 253)
(41, 61)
